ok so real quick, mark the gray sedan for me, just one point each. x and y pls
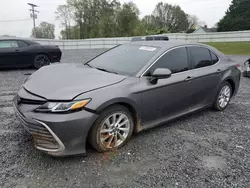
(129, 88)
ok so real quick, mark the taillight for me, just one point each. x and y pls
(238, 66)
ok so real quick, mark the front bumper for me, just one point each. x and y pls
(56, 56)
(56, 134)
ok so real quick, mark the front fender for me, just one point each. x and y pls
(118, 101)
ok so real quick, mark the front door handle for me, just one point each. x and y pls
(218, 71)
(189, 78)
(17, 50)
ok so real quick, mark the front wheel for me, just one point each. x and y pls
(224, 96)
(41, 60)
(112, 130)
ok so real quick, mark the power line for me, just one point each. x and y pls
(20, 20)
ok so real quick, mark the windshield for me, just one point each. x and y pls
(126, 59)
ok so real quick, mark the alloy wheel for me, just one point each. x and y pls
(41, 60)
(224, 96)
(114, 130)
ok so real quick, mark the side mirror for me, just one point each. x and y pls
(160, 73)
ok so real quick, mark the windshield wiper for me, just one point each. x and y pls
(88, 65)
(105, 70)
(101, 69)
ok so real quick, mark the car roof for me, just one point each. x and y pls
(165, 44)
(2, 39)
(19, 39)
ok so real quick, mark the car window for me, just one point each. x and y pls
(126, 59)
(22, 44)
(5, 44)
(175, 60)
(215, 59)
(14, 44)
(201, 57)
(33, 43)
(8, 44)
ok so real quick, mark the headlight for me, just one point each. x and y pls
(62, 106)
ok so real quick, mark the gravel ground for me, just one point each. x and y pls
(206, 149)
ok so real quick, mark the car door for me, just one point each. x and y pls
(25, 54)
(206, 76)
(169, 97)
(8, 53)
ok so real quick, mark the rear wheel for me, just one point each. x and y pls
(41, 60)
(112, 130)
(224, 96)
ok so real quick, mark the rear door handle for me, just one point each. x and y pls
(17, 50)
(189, 78)
(218, 71)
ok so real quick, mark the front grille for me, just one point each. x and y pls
(43, 137)
(28, 101)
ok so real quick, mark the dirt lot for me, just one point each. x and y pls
(206, 149)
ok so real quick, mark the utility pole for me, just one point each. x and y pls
(34, 16)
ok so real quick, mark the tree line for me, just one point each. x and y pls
(237, 17)
(83, 19)
(105, 18)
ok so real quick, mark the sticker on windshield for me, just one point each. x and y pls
(148, 48)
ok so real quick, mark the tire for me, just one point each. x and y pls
(106, 141)
(223, 97)
(246, 74)
(41, 60)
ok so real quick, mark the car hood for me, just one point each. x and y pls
(66, 81)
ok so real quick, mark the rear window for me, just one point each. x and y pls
(201, 57)
(33, 42)
(215, 59)
(22, 44)
(125, 59)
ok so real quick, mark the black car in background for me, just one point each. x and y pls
(26, 53)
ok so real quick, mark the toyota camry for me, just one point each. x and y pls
(125, 90)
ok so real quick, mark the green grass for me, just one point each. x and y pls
(233, 48)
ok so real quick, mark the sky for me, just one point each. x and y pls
(209, 11)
